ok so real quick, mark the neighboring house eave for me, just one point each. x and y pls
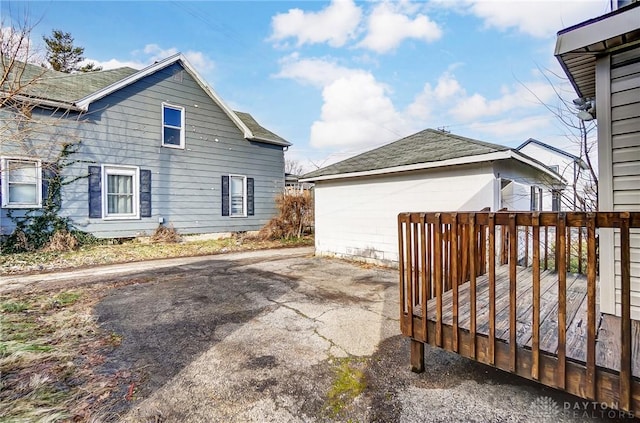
(499, 155)
(85, 102)
(577, 47)
(547, 146)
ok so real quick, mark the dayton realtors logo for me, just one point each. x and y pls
(546, 409)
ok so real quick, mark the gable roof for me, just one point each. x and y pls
(576, 159)
(429, 148)
(76, 91)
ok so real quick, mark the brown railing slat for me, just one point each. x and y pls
(513, 258)
(437, 254)
(473, 233)
(409, 274)
(535, 343)
(402, 283)
(591, 307)
(455, 259)
(492, 289)
(425, 275)
(626, 385)
(415, 274)
(561, 249)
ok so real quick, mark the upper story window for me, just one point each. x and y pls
(172, 126)
(21, 183)
(555, 168)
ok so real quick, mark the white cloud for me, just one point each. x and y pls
(521, 97)
(446, 91)
(152, 53)
(317, 72)
(532, 17)
(357, 111)
(335, 24)
(388, 26)
(509, 129)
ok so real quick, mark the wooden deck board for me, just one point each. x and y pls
(607, 349)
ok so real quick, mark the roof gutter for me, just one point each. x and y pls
(40, 102)
(270, 141)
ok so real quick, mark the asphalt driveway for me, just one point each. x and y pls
(283, 336)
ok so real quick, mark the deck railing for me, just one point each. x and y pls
(438, 252)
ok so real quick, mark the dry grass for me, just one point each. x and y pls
(50, 346)
(131, 251)
(166, 234)
(62, 241)
(294, 219)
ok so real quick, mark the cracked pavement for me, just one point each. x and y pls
(258, 336)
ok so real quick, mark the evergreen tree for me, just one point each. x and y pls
(63, 56)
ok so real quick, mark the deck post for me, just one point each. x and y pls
(417, 356)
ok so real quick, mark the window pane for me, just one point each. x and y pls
(172, 117)
(23, 172)
(237, 195)
(237, 185)
(119, 194)
(237, 204)
(22, 194)
(171, 136)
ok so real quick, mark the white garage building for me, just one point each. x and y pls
(357, 200)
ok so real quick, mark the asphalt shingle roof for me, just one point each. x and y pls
(257, 130)
(426, 146)
(47, 84)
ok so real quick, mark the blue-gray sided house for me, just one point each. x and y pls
(154, 146)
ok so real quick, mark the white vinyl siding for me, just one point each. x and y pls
(21, 183)
(619, 76)
(120, 190)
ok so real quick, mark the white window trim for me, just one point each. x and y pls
(121, 170)
(244, 196)
(182, 129)
(5, 183)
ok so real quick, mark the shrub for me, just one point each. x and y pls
(62, 241)
(165, 234)
(294, 219)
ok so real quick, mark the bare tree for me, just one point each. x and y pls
(579, 132)
(293, 167)
(33, 132)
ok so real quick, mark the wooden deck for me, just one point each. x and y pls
(492, 286)
(607, 332)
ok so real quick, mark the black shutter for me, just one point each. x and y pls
(145, 193)
(225, 195)
(49, 172)
(250, 196)
(95, 192)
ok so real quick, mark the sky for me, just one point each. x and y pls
(336, 78)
